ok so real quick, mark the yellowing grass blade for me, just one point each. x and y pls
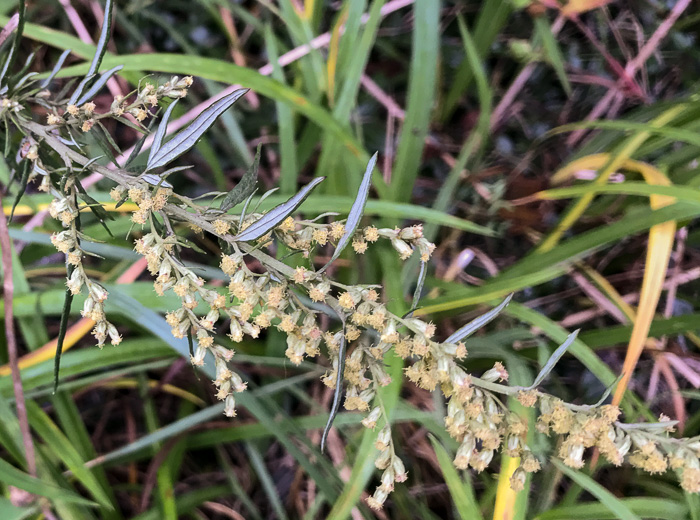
(504, 508)
(661, 238)
(333, 48)
(658, 253)
(22, 210)
(609, 166)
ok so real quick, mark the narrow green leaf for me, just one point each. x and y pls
(358, 208)
(64, 450)
(24, 179)
(421, 93)
(62, 328)
(59, 63)
(606, 498)
(275, 216)
(246, 186)
(188, 137)
(160, 131)
(12, 54)
(419, 287)
(544, 32)
(98, 85)
(474, 325)
(337, 392)
(14, 477)
(554, 359)
(100, 51)
(461, 492)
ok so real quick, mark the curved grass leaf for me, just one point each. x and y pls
(356, 212)
(15, 477)
(461, 492)
(246, 186)
(606, 498)
(99, 83)
(160, 131)
(59, 63)
(554, 359)
(337, 392)
(188, 137)
(276, 215)
(474, 325)
(646, 507)
(66, 452)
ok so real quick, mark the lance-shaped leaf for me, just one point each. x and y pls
(160, 131)
(554, 359)
(100, 51)
(155, 180)
(245, 187)
(59, 63)
(97, 86)
(338, 392)
(276, 215)
(419, 287)
(23, 180)
(12, 54)
(188, 137)
(62, 328)
(474, 325)
(358, 207)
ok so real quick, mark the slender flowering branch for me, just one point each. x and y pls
(290, 296)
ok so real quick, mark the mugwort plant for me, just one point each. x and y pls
(46, 130)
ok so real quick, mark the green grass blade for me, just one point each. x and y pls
(421, 95)
(461, 491)
(64, 450)
(606, 498)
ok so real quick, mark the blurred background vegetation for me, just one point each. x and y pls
(473, 107)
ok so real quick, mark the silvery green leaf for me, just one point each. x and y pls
(97, 86)
(139, 144)
(245, 187)
(160, 131)
(474, 325)
(276, 215)
(358, 207)
(554, 359)
(155, 180)
(104, 38)
(56, 68)
(188, 137)
(100, 50)
(338, 392)
(24, 79)
(21, 72)
(244, 212)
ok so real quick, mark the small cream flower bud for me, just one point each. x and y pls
(230, 406)
(198, 358)
(371, 420)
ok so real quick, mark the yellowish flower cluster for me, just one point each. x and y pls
(64, 209)
(304, 235)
